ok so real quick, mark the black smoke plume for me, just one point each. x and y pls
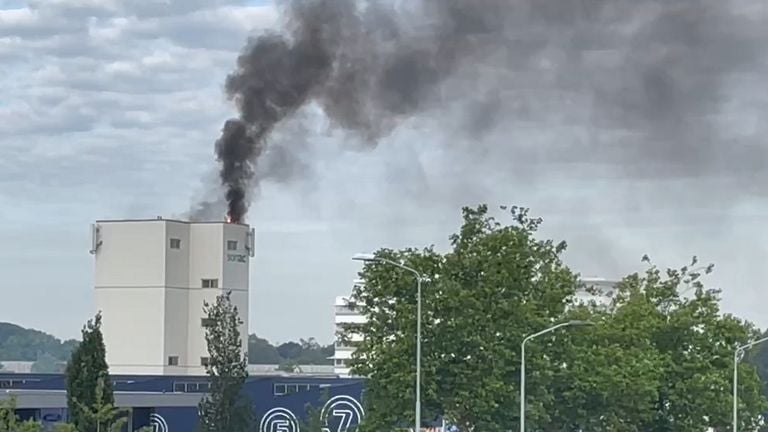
(652, 75)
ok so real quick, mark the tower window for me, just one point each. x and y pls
(210, 283)
(232, 245)
(207, 322)
(175, 243)
(173, 361)
(205, 361)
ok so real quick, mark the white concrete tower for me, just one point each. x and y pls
(151, 279)
(345, 313)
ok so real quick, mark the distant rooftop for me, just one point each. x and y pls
(25, 367)
(162, 219)
(300, 370)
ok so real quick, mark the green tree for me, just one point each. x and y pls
(225, 407)
(304, 352)
(260, 351)
(496, 284)
(658, 358)
(101, 413)
(20, 344)
(86, 369)
(10, 422)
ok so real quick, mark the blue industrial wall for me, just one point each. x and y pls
(279, 403)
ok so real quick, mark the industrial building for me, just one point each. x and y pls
(597, 290)
(169, 403)
(152, 278)
(345, 313)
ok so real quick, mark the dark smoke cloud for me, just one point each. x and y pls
(651, 78)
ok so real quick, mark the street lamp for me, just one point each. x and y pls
(740, 350)
(419, 278)
(522, 362)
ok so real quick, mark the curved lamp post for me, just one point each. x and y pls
(419, 278)
(522, 362)
(739, 351)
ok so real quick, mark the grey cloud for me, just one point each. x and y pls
(35, 24)
(89, 131)
(154, 8)
(218, 29)
(78, 9)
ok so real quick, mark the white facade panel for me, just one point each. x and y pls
(205, 256)
(133, 326)
(152, 277)
(177, 259)
(176, 330)
(131, 254)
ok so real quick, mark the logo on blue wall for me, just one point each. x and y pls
(337, 415)
(279, 420)
(340, 413)
(158, 423)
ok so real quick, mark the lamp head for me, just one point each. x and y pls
(364, 257)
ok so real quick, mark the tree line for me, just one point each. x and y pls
(50, 354)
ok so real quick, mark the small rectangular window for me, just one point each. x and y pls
(280, 389)
(175, 243)
(205, 361)
(232, 245)
(173, 360)
(206, 322)
(210, 283)
(179, 387)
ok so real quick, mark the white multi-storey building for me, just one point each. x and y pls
(599, 290)
(151, 279)
(345, 314)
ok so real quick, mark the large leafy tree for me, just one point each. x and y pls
(497, 284)
(86, 371)
(659, 356)
(659, 359)
(225, 407)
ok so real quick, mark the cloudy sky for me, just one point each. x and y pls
(110, 108)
